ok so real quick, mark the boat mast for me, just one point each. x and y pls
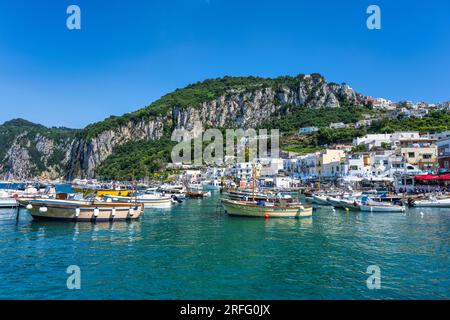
(254, 182)
(132, 188)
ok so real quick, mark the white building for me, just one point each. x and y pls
(308, 130)
(271, 166)
(242, 170)
(302, 167)
(357, 164)
(337, 125)
(373, 140)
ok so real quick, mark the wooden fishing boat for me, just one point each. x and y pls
(266, 209)
(73, 210)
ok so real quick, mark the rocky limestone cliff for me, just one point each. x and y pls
(87, 154)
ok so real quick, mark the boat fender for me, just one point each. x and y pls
(77, 212)
(96, 212)
(113, 213)
(131, 212)
(266, 216)
(43, 209)
(29, 206)
(302, 207)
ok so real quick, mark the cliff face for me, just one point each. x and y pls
(32, 154)
(235, 107)
(87, 154)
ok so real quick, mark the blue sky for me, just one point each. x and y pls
(129, 53)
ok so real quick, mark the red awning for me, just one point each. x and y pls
(430, 177)
(426, 177)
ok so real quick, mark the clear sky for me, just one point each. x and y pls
(129, 52)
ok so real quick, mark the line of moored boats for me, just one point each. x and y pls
(94, 204)
(373, 201)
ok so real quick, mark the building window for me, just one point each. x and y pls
(427, 156)
(411, 154)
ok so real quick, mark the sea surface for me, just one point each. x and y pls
(194, 251)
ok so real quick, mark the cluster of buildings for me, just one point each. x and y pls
(383, 157)
(406, 109)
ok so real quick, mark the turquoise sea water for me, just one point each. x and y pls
(193, 252)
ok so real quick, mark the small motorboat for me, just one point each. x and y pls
(432, 202)
(150, 199)
(6, 201)
(320, 200)
(335, 202)
(351, 204)
(381, 207)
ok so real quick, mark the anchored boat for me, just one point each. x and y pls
(271, 207)
(266, 209)
(74, 210)
(6, 201)
(433, 202)
(381, 207)
(150, 199)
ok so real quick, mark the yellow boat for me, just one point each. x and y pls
(102, 192)
(116, 193)
(266, 209)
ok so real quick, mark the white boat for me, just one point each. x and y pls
(6, 201)
(321, 200)
(381, 207)
(153, 199)
(335, 202)
(433, 202)
(351, 204)
(150, 199)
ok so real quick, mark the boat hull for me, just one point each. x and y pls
(320, 200)
(435, 203)
(81, 210)
(374, 208)
(157, 204)
(234, 208)
(148, 201)
(335, 202)
(8, 203)
(351, 205)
